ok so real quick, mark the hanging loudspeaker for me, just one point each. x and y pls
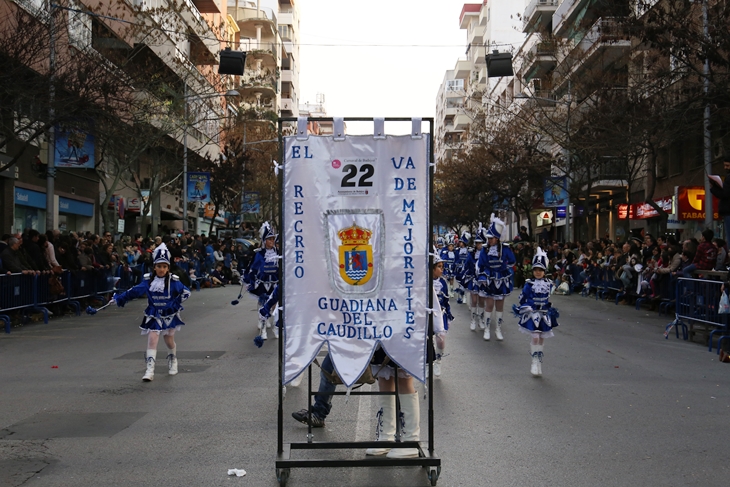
(231, 62)
(499, 64)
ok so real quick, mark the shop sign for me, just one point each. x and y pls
(642, 211)
(691, 203)
(134, 204)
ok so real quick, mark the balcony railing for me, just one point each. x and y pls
(532, 9)
(605, 30)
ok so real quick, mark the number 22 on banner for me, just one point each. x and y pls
(353, 176)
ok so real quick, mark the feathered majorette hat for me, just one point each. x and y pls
(496, 227)
(465, 238)
(161, 255)
(440, 241)
(480, 237)
(436, 257)
(450, 238)
(540, 260)
(266, 232)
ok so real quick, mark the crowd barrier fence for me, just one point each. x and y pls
(697, 311)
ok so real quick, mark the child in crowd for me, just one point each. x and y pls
(441, 290)
(165, 294)
(536, 313)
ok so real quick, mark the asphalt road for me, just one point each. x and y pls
(618, 405)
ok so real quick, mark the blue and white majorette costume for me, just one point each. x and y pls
(448, 257)
(494, 268)
(536, 313)
(442, 318)
(263, 274)
(164, 296)
(441, 288)
(461, 255)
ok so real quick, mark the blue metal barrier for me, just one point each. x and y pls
(128, 276)
(104, 281)
(17, 292)
(697, 302)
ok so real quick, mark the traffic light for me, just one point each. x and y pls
(232, 62)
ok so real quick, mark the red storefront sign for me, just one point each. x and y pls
(642, 211)
(691, 203)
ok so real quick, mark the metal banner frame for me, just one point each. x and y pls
(427, 457)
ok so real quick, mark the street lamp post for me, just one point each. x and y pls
(185, 146)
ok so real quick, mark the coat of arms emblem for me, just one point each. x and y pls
(356, 255)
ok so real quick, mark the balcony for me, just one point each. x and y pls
(462, 121)
(462, 69)
(475, 35)
(263, 81)
(476, 55)
(540, 60)
(482, 79)
(566, 14)
(260, 50)
(603, 44)
(538, 15)
(199, 27)
(207, 6)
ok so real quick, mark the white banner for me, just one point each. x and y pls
(355, 252)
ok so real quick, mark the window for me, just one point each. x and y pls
(455, 85)
(79, 27)
(285, 32)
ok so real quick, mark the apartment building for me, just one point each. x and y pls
(164, 53)
(571, 45)
(488, 25)
(268, 30)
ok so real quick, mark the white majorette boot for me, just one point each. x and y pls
(410, 425)
(437, 363)
(481, 317)
(539, 364)
(498, 330)
(487, 325)
(262, 329)
(473, 324)
(384, 424)
(172, 364)
(149, 374)
(535, 366)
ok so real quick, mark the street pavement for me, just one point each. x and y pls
(618, 405)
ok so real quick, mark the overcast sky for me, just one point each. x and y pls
(378, 58)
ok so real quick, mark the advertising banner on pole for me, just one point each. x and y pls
(556, 191)
(355, 255)
(199, 186)
(251, 202)
(73, 148)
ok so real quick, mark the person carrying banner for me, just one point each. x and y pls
(165, 295)
(536, 313)
(494, 273)
(263, 275)
(385, 417)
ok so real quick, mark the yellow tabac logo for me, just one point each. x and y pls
(356, 255)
